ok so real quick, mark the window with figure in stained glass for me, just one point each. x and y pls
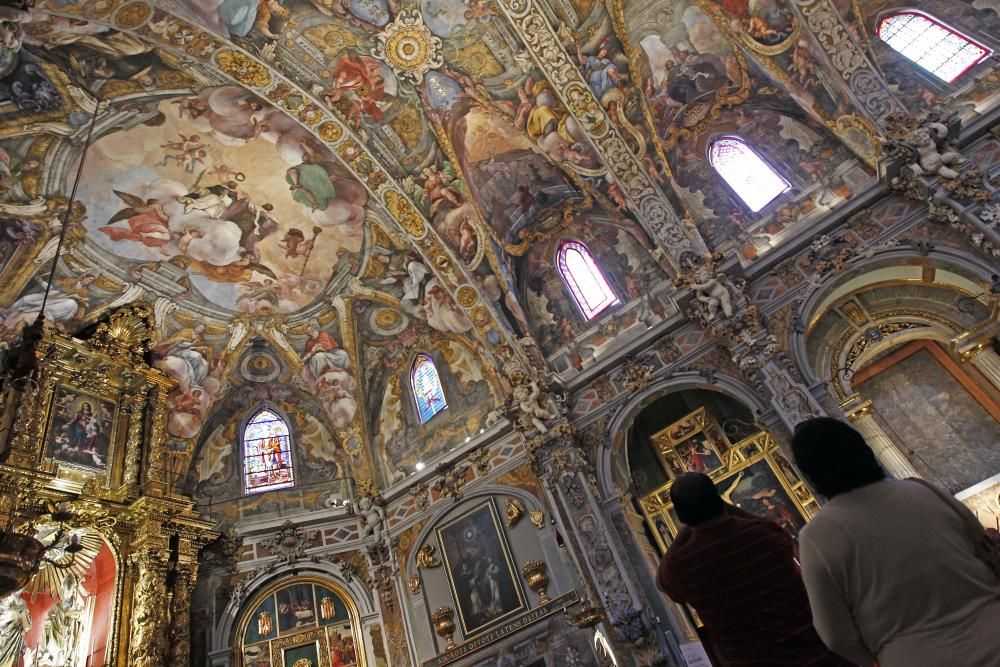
(746, 172)
(267, 453)
(428, 394)
(584, 279)
(935, 46)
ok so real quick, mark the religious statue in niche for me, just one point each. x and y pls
(15, 622)
(65, 629)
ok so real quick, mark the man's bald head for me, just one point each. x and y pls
(695, 498)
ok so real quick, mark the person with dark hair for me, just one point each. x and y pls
(896, 570)
(738, 571)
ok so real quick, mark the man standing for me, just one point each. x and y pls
(738, 571)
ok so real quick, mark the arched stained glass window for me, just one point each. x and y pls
(753, 179)
(267, 453)
(935, 46)
(586, 282)
(426, 385)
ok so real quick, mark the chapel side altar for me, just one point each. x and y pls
(100, 553)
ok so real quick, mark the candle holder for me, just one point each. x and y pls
(534, 572)
(444, 625)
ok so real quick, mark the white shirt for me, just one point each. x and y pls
(891, 572)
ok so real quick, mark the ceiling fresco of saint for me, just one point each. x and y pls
(311, 192)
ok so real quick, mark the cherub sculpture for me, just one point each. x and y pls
(528, 399)
(711, 292)
(933, 158)
(372, 518)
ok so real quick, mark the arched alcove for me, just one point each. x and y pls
(69, 611)
(892, 342)
(303, 617)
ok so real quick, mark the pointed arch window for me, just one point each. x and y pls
(428, 394)
(584, 279)
(747, 173)
(935, 46)
(267, 453)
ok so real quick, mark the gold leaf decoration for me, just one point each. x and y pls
(242, 68)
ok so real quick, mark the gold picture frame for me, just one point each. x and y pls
(694, 443)
(753, 475)
(82, 431)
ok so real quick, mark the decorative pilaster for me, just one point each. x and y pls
(981, 355)
(149, 609)
(893, 460)
(157, 438)
(179, 654)
(791, 400)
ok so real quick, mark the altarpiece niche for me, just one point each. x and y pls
(752, 474)
(301, 622)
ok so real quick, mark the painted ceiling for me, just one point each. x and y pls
(286, 177)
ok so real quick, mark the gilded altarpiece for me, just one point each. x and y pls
(81, 469)
(752, 474)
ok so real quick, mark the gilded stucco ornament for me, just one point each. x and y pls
(408, 47)
(426, 557)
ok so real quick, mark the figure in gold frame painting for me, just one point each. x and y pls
(751, 474)
(82, 429)
(480, 570)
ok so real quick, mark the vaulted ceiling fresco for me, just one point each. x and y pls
(310, 192)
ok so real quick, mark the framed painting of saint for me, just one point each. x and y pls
(695, 443)
(82, 429)
(751, 474)
(484, 582)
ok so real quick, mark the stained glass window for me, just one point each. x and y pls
(267, 455)
(753, 179)
(938, 48)
(586, 282)
(427, 391)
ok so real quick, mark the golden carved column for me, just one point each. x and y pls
(893, 460)
(155, 447)
(149, 609)
(180, 616)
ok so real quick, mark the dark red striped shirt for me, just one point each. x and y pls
(739, 574)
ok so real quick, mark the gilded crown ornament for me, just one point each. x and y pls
(408, 47)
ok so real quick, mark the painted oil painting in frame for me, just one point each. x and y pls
(82, 429)
(481, 573)
(753, 475)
